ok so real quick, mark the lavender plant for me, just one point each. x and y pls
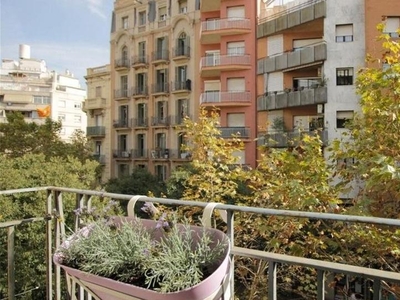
(168, 258)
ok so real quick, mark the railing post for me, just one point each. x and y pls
(11, 262)
(231, 235)
(49, 260)
(321, 285)
(272, 287)
(377, 289)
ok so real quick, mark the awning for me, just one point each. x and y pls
(17, 98)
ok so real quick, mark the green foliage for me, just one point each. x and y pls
(33, 170)
(140, 182)
(18, 137)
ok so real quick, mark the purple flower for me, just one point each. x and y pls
(150, 209)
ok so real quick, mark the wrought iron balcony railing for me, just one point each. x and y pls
(56, 199)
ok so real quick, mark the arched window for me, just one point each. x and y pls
(182, 48)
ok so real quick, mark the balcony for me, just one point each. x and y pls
(96, 131)
(139, 91)
(184, 86)
(122, 154)
(161, 121)
(160, 57)
(121, 124)
(121, 94)
(159, 89)
(179, 120)
(122, 64)
(282, 100)
(306, 57)
(230, 98)
(283, 139)
(139, 123)
(305, 12)
(140, 153)
(212, 30)
(100, 158)
(212, 66)
(55, 201)
(94, 103)
(237, 132)
(159, 153)
(181, 53)
(140, 61)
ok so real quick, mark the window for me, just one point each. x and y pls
(142, 18)
(141, 83)
(142, 114)
(141, 145)
(180, 77)
(77, 118)
(124, 57)
(161, 111)
(342, 117)
(236, 12)
(41, 100)
(162, 48)
(123, 115)
(344, 33)
(62, 103)
(182, 110)
(344, 76)
(98, 91)
(77, 105)
(162, 81)
(161, 141)
(123, 142)
(98, 147)
(125, 22)
(61, 117)
(161, 172)
(392, 26)
(182, 48)
(183, 7)
(124, 86)
(162, 14)
(236, 48)
(142, 52)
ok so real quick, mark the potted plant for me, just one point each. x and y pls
(131, 258)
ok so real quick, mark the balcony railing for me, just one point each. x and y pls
(233, 97)
(178, 120)
(283, 139)
(140, 60)
(122, 154)
(160, 55)
(54, 201)
(96, 131)
(221, 24)
(94, 103)
(160, 88)
(140, 153)
(237, 132)
(161, 121)
(225, 60)
(100, 158)
(140, 122)
(293, 60)
(139, 91)
(185, 85)
(183, 51)
(121, 93)
(121, 123)
(282, 99)
(122, 63)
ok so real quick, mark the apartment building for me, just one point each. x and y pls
(153, 67)
(227, 76)
(27, 85)
(308, 54)
(98, 110)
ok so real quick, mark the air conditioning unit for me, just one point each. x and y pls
(125, 154)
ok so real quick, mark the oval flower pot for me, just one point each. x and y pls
(214, 287)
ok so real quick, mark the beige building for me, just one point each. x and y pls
(152, 67)
(98, 109)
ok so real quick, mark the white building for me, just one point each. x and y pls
(26, 85)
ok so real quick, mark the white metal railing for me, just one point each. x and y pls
(222, 24)
(55, 231)
(224, 60)
(221, 97)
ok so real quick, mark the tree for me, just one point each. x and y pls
(18, 137)
(373, 139)
(35, 170)
(140, 182)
